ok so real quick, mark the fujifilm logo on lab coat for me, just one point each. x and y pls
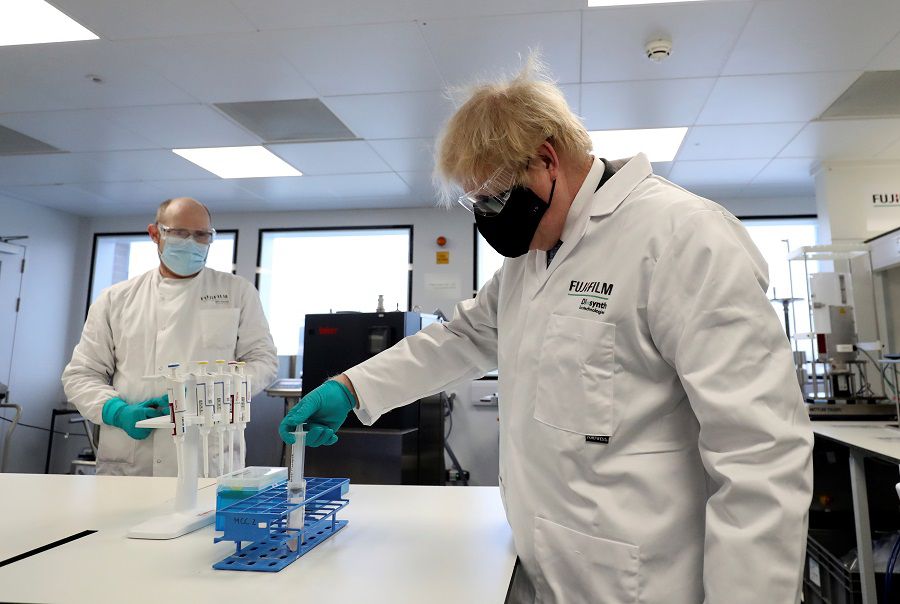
(215, 298)
(594, 295)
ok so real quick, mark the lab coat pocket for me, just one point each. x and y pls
(575, 567)
(219, 327)
(575, 376)
(115, 446)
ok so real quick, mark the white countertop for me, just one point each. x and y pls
(875, 436)
(403, 544)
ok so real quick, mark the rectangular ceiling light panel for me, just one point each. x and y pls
(659, 144)
(239, 162)
(37, 22)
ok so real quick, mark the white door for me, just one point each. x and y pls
(11, 267)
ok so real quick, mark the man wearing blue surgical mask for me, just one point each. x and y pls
(181, 312)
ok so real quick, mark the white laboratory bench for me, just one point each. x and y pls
(403, 544)
(863, 439)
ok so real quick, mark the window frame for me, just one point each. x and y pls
(97, 236)
(369, 227)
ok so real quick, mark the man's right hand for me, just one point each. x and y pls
(120, 414)
(324, 410)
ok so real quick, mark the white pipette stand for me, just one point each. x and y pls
(187, 516)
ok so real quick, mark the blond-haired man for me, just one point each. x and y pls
(179, 312)
(654, 445)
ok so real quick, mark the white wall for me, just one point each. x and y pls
(51, 289)
(770, 206)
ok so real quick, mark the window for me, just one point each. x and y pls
(307, 271)
(487, 261)
(121, 256)
(775, 237)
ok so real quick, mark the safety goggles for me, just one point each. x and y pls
(489, 198)
(202, 237)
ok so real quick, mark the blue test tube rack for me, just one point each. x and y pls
(261, 520)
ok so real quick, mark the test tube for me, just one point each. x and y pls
(296, 484)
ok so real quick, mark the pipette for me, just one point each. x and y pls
(205, 398)
(176, 393)
(241, 390)
(296, 485)
(220, 395)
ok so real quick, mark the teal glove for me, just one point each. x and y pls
(324, 409)
(120, 414)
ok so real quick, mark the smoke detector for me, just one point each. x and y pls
(658, 50)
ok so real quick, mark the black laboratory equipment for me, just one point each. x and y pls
(406, 445)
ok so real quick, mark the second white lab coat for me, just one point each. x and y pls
(136, 328)
(654, 446)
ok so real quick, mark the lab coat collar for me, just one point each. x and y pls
(611, 195)
(576, 220)
(589, 202)
(582, 199)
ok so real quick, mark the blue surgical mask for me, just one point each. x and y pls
(184, 257)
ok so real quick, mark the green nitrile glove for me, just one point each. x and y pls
(324, 410)
(120, 414)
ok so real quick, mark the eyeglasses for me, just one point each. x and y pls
(202, 237)
(491, 196)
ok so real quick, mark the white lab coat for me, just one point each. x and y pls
(654, 447)
(136, 328)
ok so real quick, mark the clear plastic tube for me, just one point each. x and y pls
(296, 483)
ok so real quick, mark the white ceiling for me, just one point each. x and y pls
(748, 77)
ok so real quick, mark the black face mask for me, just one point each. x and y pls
(510, 232)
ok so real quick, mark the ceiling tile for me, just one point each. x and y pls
(793, 36)
(362, 59)
(888, 58)
(158, 19)
(80, 130)
(56, 168)
(702, 35)
(213, 193)
(422, 186)
(403, 115)
(643, 104)
(129, 193)
(145, 165)
(126, 80)
(178, 126)
(775, 190)
(786, 172)
(70, 198)
(342, 157)
(226, 68)
(441, 9)
(797, 97)
(747, 141)
(406, 154)
(485, 47)
(844, 139)
(384, 185)
(286, 188)
(727, 172)
(289, 14)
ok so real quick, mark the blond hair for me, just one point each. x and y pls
(500, 126)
